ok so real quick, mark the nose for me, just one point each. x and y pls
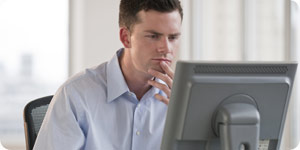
(164, 45)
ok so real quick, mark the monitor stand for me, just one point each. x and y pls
(236, 122)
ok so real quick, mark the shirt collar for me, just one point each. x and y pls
(116, 85)
(154, 90)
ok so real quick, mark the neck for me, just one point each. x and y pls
(136, 80)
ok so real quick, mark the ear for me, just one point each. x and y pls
(125, 37)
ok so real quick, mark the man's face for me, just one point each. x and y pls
(154, 39)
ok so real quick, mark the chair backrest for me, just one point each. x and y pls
(34, 113)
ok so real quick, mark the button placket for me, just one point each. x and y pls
(137, 125)
(138, 133)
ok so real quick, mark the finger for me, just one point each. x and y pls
(167, 69)
(162, 76)
(160, 86)
(162, 99)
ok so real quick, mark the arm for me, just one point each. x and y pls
(60, 128)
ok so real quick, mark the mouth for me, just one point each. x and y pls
(163, 59)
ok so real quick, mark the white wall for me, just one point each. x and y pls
(94, 32)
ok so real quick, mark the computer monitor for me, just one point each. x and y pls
(228, 106)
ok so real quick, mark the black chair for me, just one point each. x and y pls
(34, 113)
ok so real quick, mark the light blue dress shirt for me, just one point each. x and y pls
(95, 110)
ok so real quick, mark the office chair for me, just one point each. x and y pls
(34, 113)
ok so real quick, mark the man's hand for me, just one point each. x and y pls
(167, 78)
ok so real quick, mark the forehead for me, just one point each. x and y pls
(163, 22)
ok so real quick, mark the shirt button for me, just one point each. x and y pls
(138, 133)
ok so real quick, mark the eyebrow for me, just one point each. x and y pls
(157, 33)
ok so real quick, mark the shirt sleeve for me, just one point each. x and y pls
(60, 128)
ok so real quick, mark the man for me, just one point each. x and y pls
(120, 104)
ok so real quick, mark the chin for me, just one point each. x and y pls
(158, 68)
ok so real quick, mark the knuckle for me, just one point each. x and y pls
(165, 88)
(166, 101)
(164, 78)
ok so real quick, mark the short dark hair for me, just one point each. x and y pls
(129, 9)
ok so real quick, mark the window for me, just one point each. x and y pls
(33, 59)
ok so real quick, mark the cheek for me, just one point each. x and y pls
(140, 55)
(145, 48)
(141, 45)
(175, 48)
(145, 43)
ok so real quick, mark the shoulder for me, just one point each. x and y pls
(84, 88)
(96, 74)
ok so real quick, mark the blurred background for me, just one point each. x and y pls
(44, 42)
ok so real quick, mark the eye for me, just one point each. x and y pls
(152, 36)
(173, 37)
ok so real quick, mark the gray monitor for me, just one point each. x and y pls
(228, 106)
